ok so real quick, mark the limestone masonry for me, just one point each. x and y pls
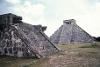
(23, 40)
(70, 32)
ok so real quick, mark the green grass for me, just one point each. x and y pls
(6, 61)
(95, 45)
(91, 46)
(71, 55)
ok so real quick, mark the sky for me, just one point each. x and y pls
(51, 13)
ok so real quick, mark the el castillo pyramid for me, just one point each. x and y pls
(70, 32)
(23, 40)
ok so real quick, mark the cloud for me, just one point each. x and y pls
(13, 1)
(52, 13)
(31, 13)
(86, 13)
(90, 21)
(4, 7)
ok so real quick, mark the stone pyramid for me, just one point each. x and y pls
(23, 40)
(70, 32)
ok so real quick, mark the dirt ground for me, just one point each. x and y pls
(74, 56)
(77, 55)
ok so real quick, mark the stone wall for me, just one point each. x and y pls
(23, 40)
(70, 32)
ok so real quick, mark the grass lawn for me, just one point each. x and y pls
(71, 55)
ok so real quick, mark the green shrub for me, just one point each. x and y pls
(91, 46)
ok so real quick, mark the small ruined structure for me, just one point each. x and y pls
(70, 32)
(23, 40)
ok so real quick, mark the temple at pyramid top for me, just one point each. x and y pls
(21, 39)
(70, 32)
(70, 21)
(9, 19)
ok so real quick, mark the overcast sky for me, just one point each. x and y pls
(51, 13)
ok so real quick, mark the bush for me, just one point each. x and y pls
(91, 46)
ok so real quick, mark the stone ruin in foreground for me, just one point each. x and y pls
(23, 40)
(70, 32)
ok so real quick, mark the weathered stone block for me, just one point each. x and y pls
(23, 40)
(70, 32)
